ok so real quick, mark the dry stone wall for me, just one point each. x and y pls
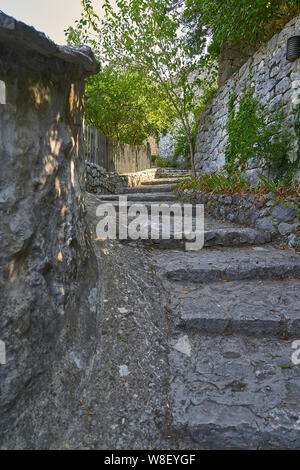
(273, 79)
(100, 181)
(265, 212)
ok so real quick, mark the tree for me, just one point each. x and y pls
(146, 35)
(121, 100)
(126, 105)
(218, 22)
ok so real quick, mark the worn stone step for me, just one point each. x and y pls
(245, 307)
(213, 236)
(231, 392)
(224, 263)
(144, 197)
(162, 181)
(154, 188)
(172, 172)
(148, 203)
(215, 233)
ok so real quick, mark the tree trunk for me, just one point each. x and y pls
(192, 153)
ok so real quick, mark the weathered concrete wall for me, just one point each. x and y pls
(113, 156)
(273, 78)
(49, 277)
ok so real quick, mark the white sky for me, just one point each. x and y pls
(49, 16)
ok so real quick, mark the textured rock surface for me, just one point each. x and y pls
(49, 305)
(232, 393)
(273, 79)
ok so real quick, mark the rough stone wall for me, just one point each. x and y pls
(100, 181)
(49, 277)
(231, 59)
(273, 78)
(262, 212)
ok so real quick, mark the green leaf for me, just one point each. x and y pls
(123, 339)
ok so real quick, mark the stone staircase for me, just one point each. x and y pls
(234, 314)
(215, 233)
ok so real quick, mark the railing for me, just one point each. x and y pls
(113, 156)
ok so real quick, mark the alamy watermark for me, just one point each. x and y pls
(154, 221)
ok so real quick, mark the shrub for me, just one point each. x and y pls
(162, 162)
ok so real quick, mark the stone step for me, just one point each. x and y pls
(230, 392)
(144, 197)
(214, 235)
(224, 263)
(245, 307)
(162, 181)
(172, 173)
(148, 203)
(160, 188)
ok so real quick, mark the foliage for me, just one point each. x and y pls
(181, 148)
(217, 183)
(162, 162)
(222, 183)
(125, 104)
(231, 21)
(252, 133)
(145, 35)
(297, 126)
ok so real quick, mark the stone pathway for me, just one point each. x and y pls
(232, 314)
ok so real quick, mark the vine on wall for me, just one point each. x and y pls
(255, 133)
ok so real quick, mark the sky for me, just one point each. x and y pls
(49, 16)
